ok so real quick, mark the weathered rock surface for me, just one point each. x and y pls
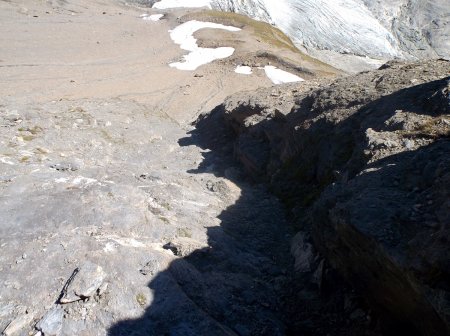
(364, 165)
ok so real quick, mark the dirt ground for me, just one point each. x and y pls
(101, 179)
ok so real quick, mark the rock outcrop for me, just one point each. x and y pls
(364, 164)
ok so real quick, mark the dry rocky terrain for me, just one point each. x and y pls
(315, 208)
(363, 164)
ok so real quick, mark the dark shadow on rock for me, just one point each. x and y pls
(237, 285)
(317, 152)
(244, 283)
(327, 137)
(387, 232)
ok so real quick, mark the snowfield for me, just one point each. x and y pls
(381, 29)
(243, 70)
(345, 26)
(154, 17)
(183, 36)
(278, 76)
(166, 4)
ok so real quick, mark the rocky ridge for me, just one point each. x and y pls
(363, 164)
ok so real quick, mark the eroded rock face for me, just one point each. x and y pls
(365, 165)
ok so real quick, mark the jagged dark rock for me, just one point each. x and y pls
(364, 164)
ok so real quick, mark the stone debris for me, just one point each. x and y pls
(18, 324)
(151, 267)
(184, 246)
(6, 309)
(303, 253)
(52, 322)
(84, 283)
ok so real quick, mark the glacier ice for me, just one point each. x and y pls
(382, 29)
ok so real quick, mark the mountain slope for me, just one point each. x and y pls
(382, 29)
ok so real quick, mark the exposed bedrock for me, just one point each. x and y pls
(364, 165)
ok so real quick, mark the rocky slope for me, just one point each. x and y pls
(118, 217)
(363, 163)
(113, 218)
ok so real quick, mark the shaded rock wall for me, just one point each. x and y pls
(364, 164)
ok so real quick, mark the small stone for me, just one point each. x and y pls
(17, 325)
(51, 323)
(64, 166)
(184, 246)
(102, 289)
(6, 309)
(43, 150)
(85, 283)
(317, 277)
(152, 267)
(303, 253)
(242, 330)
(433, 225)
(218, 186)
(141, 299)
(357, 314)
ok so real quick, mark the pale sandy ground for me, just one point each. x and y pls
(94, 49)
(96, 165)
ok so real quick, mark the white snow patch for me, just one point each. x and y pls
(374, 61)
(196, 204)
(7, 161)
(183, 36)
(165, 4)
(153, 17)
(243, 70)
(278, 76)
(130, 242)
(83, 180)
(80, 181)
(109, 247)
(62, 180)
